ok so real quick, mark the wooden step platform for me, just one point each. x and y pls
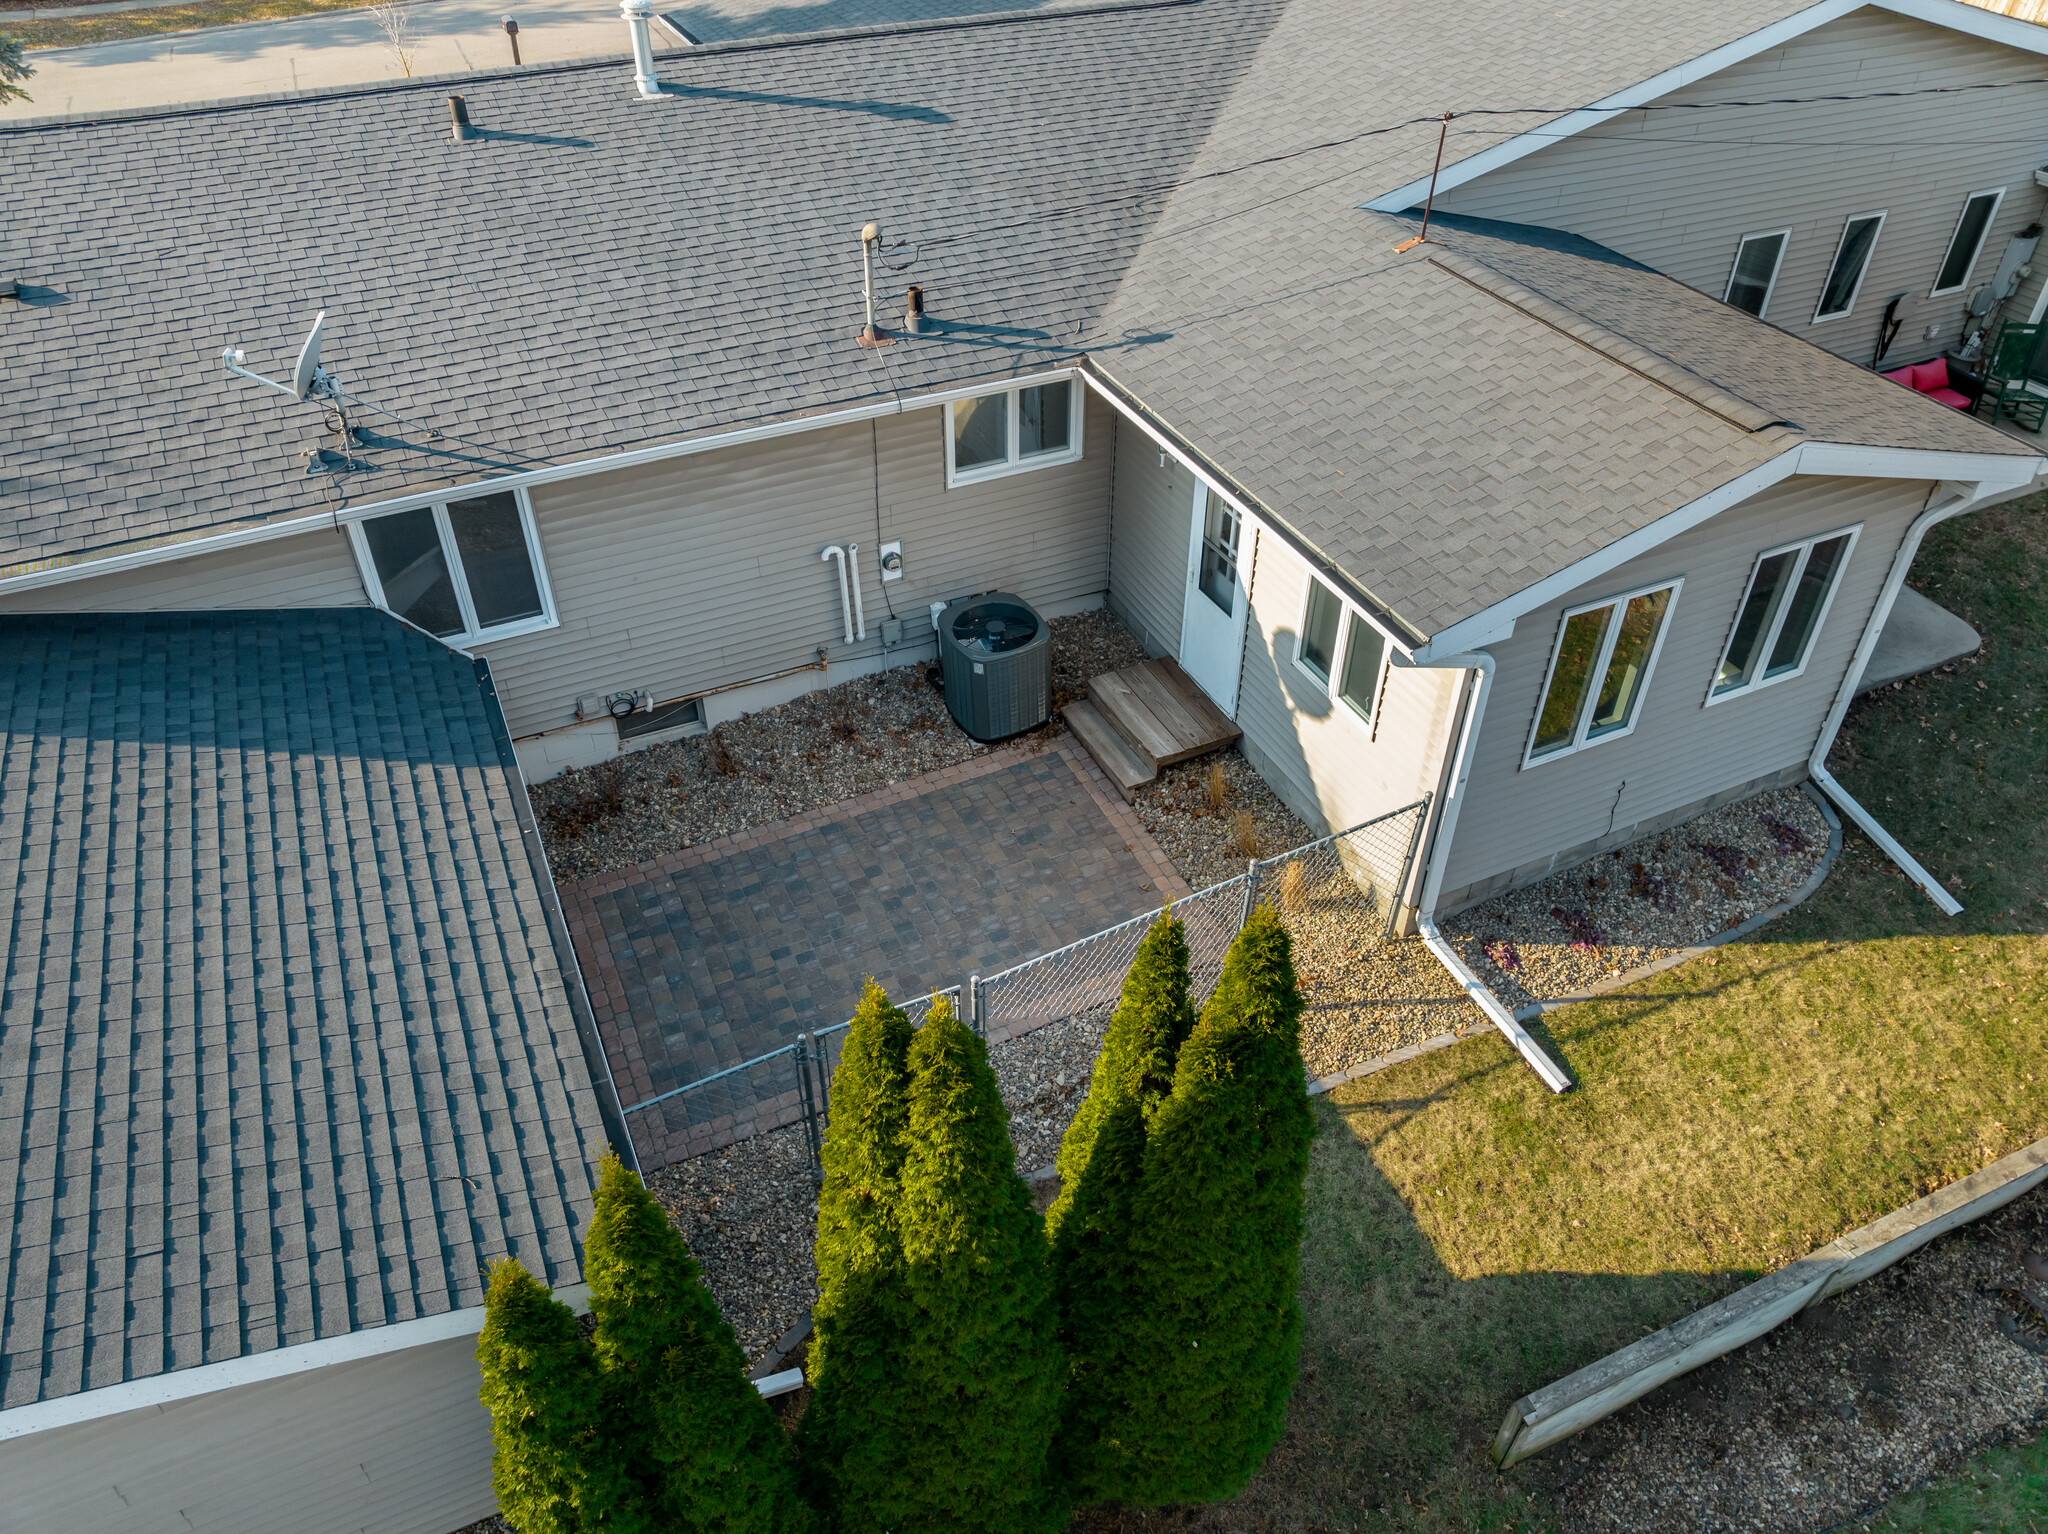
(1145, 717)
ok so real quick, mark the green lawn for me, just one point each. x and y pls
(2002, 1489)
(1472, 1237)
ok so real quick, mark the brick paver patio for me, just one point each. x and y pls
(725, 951)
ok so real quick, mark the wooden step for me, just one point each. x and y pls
(1160, 713)
(1112, 753)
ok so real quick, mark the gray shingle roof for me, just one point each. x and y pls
(1169, 188)
(285, 1049)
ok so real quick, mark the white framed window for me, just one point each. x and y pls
(1018, 429)
(1852, 260)
(1340, 650)
(467, 569)
(1967, 243)
(1600, 668)
(1755, 272)
(1782, 610)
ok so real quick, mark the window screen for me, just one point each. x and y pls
(413, 571)
(1780, 612)
(1602, 667)
(1858, 240)
(981, 431)
(491, 542)
(1364, 647)
(1966, 242)
(1756, 269)
(1319, 630)
(1044, 423)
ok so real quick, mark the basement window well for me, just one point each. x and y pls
(464, 570)
(1031, 427)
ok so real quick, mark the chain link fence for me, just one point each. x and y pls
(1336, 896)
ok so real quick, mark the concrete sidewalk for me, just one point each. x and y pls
(448, 36)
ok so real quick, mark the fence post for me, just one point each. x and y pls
(1251, 893)
(974, 1003)
(1407, 864)
(809, 1096)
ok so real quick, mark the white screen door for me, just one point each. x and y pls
(1212, 622)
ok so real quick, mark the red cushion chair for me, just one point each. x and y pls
(1931, 379)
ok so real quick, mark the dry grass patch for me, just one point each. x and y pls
(72, 31)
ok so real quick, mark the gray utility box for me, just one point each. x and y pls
(996, 654)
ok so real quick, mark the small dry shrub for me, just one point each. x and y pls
(1216, 789)
(1244, 835)
(1293, 889)
(720, 755)
(603, 796)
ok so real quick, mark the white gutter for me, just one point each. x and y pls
(1502, 1015)
(1958, 503)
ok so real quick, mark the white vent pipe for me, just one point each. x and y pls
(860, 622)
(845, 603)
(638, 13)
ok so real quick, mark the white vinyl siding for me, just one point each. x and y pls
(397, 1443)
(699, 571)
(1678, 190)
(1333, 768)
(1148, 557)
(1681, 752)
(308, 570)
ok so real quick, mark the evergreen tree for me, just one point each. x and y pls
(1101, 1162)
(702, 1447)
(13, 69)
(551, 1467)
(1216, 1240)
(982, 1351)
(850, 1436)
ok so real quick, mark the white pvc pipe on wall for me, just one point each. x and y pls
(845, 604)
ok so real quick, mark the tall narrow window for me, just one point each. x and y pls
(1341, 650)
(1755, 273)
(465, 570)
(1968, 240)
(1852, 260)
(1219, 553)
(1600, 671)
(1013, 429)
(1318, 652)
(1788, 595)
(1364, 650)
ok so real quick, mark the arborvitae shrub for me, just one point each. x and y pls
(1217, 1240)
(552, 1467)
(702, 1447)
(851, 1437)
(982, 1352)
(1100, 1164)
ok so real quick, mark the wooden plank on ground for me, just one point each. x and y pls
(1199, 703)
(1112, 753)
(1171, 710)
(1133, 717)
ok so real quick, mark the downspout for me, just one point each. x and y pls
(1816, 765)
(1502, 1015)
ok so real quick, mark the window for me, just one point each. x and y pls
(1788, 596)
(465, 570)
(1852, 259)
(1357, 666)
(1968, 240)
(1755, 273)
(998, 434)
(1605, 653)
(1219, 553)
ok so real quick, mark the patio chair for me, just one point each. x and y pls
(2009, 365)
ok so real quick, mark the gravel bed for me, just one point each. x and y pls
(1210, 836)
(826, 746)
(1044, 1077)
(1828, 1418)
(1631, 907)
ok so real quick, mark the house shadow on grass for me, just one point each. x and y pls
(1407, 1369)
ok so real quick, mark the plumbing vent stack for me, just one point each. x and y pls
(637, 14)
(913, 311)
(458, 119)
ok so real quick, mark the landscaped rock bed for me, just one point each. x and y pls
(826, 746)
(1829, 1417)
(1650, 899)
(1213, 815)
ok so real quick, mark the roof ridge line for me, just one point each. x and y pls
(1695, 389)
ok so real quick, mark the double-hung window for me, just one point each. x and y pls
(1600, 670)
(1852, 260)
(1027, 428)
(1964, 246)
(1755, 272)
(1343, 653)
(1781, 612)
(467, 570)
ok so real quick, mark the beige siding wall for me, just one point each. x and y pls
(704, 570)
(1328, 764)
(1678, 190)
(1681, 752)
(397, 1444)
(1148, 556)
(311, 570)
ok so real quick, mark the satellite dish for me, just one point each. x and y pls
(309, 359)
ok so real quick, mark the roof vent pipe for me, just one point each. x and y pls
(637, 14)
(458, 119)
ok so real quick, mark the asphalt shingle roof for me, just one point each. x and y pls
(1169, 188)
(285, 1047)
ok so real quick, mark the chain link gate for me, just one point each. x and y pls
(1336, 896)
